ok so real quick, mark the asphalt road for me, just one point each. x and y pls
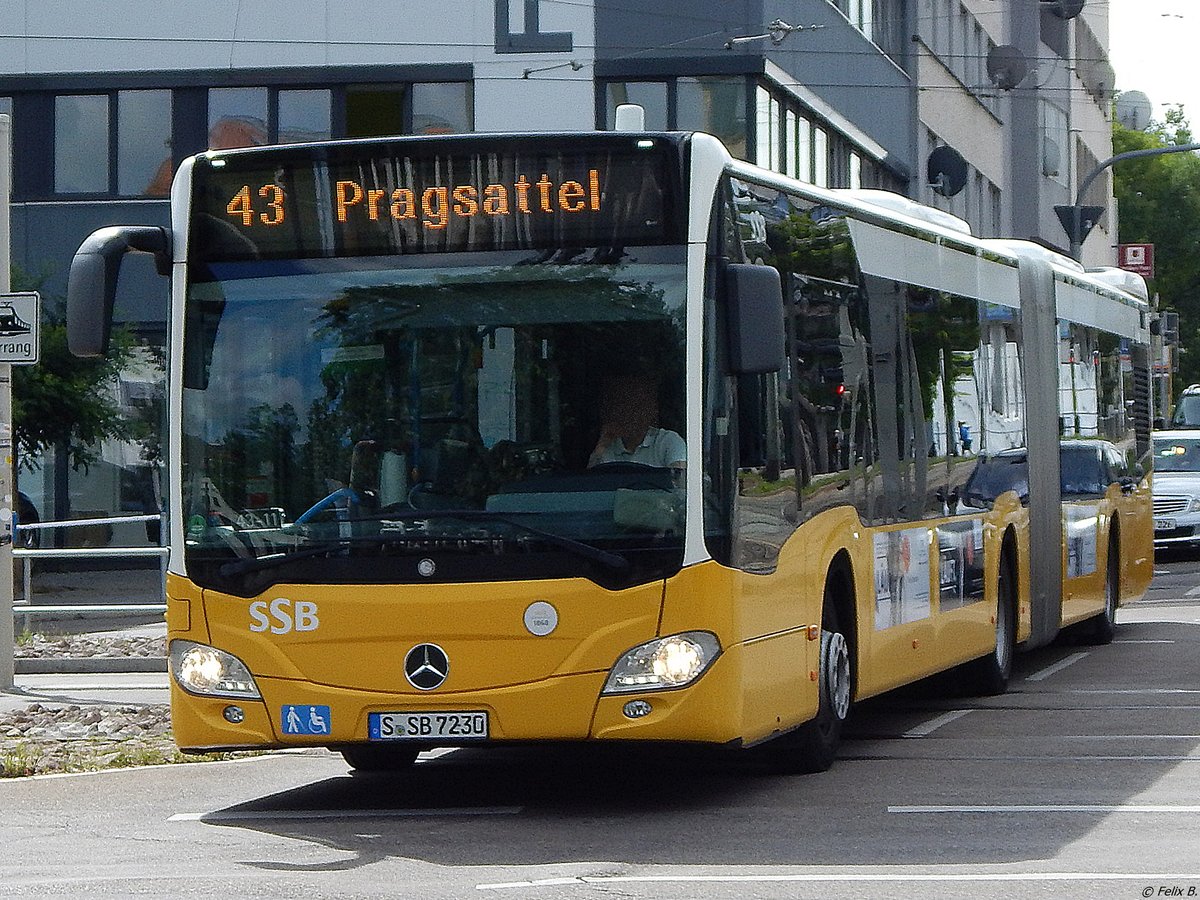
(1082, 781)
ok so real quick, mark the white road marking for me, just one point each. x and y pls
(927, 728)
(1142, 641)
(833, 876)
(1057, 667)
(1132, 691)
(1193, 592)
(285, 815)
(1053, 808)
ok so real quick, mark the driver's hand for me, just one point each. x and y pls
(608, 434)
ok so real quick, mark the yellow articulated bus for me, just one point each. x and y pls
(611, 437)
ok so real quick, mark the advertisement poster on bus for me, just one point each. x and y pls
(960, 564)
(1080, 523)
(901, 577)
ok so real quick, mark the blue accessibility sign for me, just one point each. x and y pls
(303, 719)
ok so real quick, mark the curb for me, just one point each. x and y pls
(90, 666)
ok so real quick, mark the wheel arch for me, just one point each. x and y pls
(1009, 554)
(840, 590)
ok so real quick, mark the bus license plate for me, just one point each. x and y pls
(1164, 524)
(427, 726)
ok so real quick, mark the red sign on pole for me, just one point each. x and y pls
(1137, 258)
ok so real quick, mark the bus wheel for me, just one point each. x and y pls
(813, 746)
(1103, 627)
(376, 759)
(990, 673)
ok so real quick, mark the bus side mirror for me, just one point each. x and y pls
(92, 282)
(754, 303)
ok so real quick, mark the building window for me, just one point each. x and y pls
(144, 165)
(716, 105)
(1054, 147)
(237, 117)
(860, 14)
(789, 143)
(649, 95)
(820, 157)
(81, 144)
(374, 110)
(446, 108)
(804, 162)
(303, 116)
(766, 147)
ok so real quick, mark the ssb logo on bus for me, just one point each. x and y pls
(285, 616)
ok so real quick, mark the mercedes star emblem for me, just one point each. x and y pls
(426, 666)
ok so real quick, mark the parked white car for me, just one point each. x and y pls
(1176, 488)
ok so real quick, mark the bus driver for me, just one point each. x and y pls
(629, 407)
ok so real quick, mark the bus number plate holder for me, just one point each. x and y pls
(457, 725)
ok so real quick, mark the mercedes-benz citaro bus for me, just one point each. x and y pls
(608, 437)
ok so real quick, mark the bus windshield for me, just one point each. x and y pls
(370, 419)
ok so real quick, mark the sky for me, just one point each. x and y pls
(1154, 47)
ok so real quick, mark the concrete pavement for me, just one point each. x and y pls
(77, 677)
(102, 689)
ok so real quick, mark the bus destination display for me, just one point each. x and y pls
(288, 204)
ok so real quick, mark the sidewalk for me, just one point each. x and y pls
(89, 588)
(87, 674)
(110, 689)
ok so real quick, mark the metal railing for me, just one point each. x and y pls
(26, 608)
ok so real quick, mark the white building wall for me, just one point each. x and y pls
(65, 37)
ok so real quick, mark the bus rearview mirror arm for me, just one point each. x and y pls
(754, 301)
(92, 282)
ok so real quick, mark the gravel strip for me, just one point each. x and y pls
(40, 738)
(89, 646)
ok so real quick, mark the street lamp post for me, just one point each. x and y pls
(1074, 217)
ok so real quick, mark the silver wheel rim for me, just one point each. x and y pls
(1110, 594)
(1003, 642)
(835, 673)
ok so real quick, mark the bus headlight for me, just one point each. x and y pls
(204, 670)
(664, 663)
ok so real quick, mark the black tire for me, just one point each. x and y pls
(989, 675)
(1101, 629)
(813, 746)
(375, 759)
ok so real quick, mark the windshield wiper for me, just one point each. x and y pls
(259, 563)
(612, 561)
(579, 548)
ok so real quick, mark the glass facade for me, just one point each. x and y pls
(81, 143)
(124, 143)
(144, 143)
(304, 115)
(237, 117)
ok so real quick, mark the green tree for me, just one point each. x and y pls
(64, 401)
(1159, 202)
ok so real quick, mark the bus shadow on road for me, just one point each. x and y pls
(926, 776)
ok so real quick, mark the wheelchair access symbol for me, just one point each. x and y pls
(301, 719)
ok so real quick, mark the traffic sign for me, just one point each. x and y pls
(20, 332)
(1137, 258)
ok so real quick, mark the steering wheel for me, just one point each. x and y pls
(625, 467)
